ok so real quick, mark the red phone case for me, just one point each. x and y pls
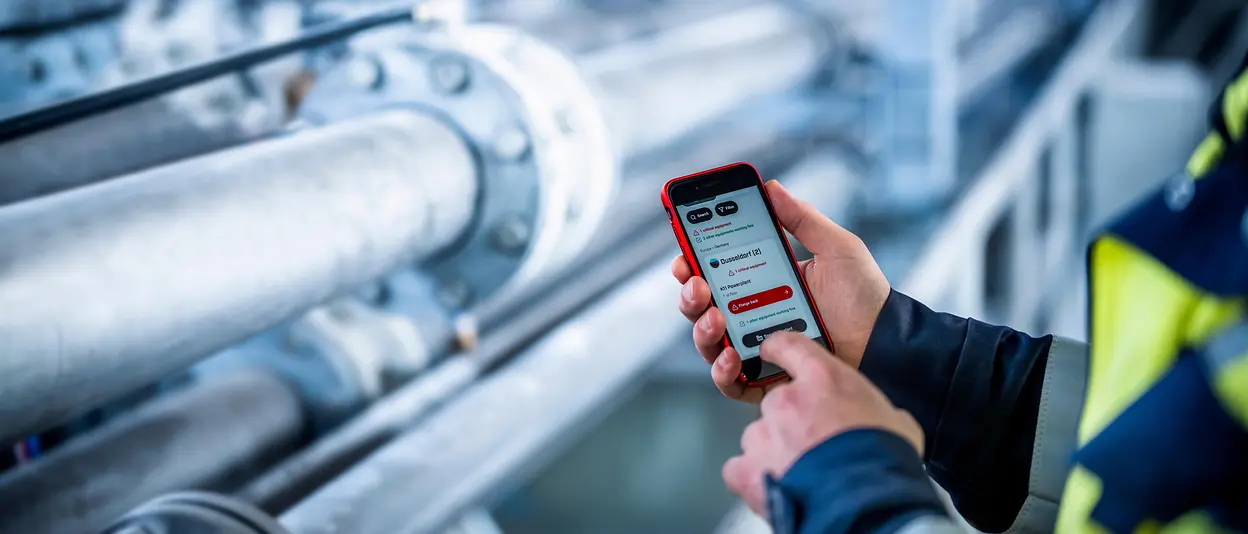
(686, 251)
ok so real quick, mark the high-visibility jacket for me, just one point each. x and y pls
(1163, 442)
(1145, 432)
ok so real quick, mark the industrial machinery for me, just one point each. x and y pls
(294, 267)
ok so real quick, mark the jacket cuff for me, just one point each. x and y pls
(862, 481)
(975, 389)
(912, 357)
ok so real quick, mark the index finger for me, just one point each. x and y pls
(797, 354)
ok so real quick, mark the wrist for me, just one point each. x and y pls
(862, 344)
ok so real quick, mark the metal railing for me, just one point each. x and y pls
(1017, 234)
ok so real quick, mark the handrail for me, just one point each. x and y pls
(950, 272)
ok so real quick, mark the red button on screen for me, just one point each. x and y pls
(758, 300)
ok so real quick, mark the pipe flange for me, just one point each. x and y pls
(195, 511)
(544, 158)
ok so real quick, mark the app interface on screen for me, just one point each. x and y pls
(747, 268)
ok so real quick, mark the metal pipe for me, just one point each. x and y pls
(584, 26)
(116, 285)
(125, 141)
(431, 475)
(658, 89)
(299, 475)
(198, 437)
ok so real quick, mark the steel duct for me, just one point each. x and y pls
(192, 438)
(108, 287)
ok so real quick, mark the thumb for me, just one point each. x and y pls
(797, 354)
(816, 232)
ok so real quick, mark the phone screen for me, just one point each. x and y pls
(752, 278)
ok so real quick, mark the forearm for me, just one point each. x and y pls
(978, 392)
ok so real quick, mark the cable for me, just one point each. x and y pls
(39, 26)
(93, 104)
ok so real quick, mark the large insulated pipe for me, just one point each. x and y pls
(109, 287)
(197, 437)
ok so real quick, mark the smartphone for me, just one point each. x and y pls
(729, 234)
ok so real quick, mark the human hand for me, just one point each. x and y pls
(824, 397)
(844, 281)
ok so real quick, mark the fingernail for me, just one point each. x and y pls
(705, 323)
(721, 362)
(686, 292)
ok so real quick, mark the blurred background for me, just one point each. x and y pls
(297, 266)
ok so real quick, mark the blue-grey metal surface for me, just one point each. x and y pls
(507, 424)
(198, 437)
(114, 286)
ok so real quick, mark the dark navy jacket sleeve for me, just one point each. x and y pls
(862, 481)
(975, 389)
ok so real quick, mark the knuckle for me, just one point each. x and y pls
(783, 399)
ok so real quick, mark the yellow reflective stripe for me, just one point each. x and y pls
(1210, 316)
(1138, 309)
(1195, 523)
(1142, 314)
(1230, 385)
(1206, 156)
(1235, 106)
(1086, 487)
(1083, 489)
(1235, 115)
